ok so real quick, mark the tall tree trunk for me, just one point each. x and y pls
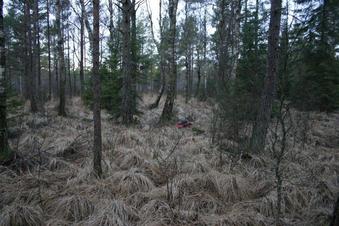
(73, 68)
(29, 56)
(61, 60)
(134, 57)
(223, 50)
(197, 92)
(36, 48)
(4, 148)
(69, 63)
(97, 145)
(127, 86)
(187, 76)
(205, 52)
(49, 53)
(161, 50)
(236, 37)
(269, 91)
(167, 111)
(82, 45)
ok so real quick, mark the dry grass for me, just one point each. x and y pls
(72, 208)
(113, 213)
(161, 175)
(21, 215)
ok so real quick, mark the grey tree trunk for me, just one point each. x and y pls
(97, 145)
(134, 57)
(36, 48)
(49, 53)
(61, 60)
(236, 5)
(82, 43)
(269, 91)
(167, 111)
(73, 68)
(4, 148)
(127, 86)
(29, 59)
(161, 50)
(69, 63)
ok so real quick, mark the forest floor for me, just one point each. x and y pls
(161, 175)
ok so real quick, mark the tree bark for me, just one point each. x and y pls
(269, 91)
(82, 43)
(69, 63)
(73, 68)
(49, 53)
(29, 58)
(134, 57)
(236, 38)
(4, 148)
(127, 86)
(167, 111)
(161, 48)
(36, 48)
(61, 60)
(97, 146)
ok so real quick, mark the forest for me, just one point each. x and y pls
(169, 112)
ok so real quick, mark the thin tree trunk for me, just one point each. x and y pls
(167, 112)
(236, 37)
(73, 68)
(268, 94)
(197, 92)
(69, 64)
(29, 56)
(61, 60)
(82, 44)
(4, 148)
(56, 70)
(37, 62)
(97, 145)
(49, 54)
(134, 57)
(205, 53)
(160, 48)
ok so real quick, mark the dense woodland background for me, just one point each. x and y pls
(91, 91)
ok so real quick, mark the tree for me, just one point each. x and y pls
(314, 81)
(269, 90)
(61, 59)
(167, 111)
(161, 52)
(82, 45)
(188, 39)
(127, 89)
(36, 45)
(29, 58)
(97, 145)
(4, 147)
(49, 52)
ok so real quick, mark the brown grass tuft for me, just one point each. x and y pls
(134, 181)
(72, 208)
(21, 215)
(114, 213)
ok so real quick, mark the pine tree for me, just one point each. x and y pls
(97, 145)
(4, 147)
(172, 80)
(269, 90)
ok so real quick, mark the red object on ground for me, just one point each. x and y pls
(183, 124)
